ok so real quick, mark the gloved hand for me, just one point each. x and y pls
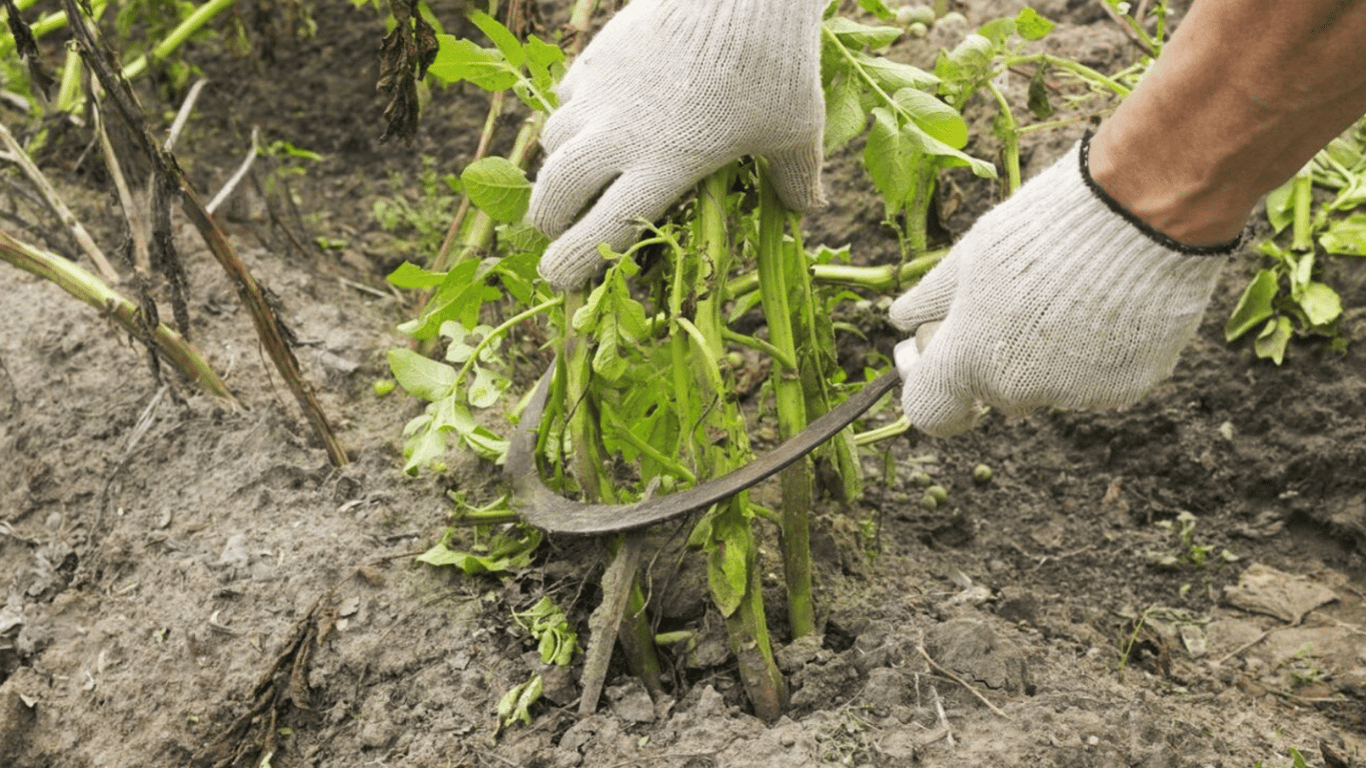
(666, 93)
(1056, 297)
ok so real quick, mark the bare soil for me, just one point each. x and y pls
(168, 561)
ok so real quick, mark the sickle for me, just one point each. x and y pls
(543, 508)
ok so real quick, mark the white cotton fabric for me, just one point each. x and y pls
(666, 93)
(1050, 299)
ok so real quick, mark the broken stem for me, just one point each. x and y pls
(85, 286)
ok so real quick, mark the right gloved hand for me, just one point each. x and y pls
(1056, 297)
(666, 93)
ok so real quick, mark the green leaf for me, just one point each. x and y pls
(541, 53)
(458, 59)
(877, 8)
(916, 137)
(1273, 339)
(426, 443)
(1321, 304)
(856, 35)
(486, 388)
(411, 276)
(728, 563)
(972, 56)
(428, 379)
(886, 158)
(844, 115)
(1031, 26)
(997, 31)
(1345, 237)
(892, 76)
(498, 187)
(936, 118)
(506, 42)
(1280, 205)
(1254, 306)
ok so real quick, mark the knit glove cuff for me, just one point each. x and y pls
(1056, 297)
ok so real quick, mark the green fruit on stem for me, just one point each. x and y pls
(981, 474)
(939, 492)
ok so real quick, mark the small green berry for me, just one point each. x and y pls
(383, 387)
(915, 14)
(928, 501)
(939, 492)
(917, 30)
(922, 479)
(981, 474)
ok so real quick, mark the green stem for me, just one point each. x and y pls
(502, 328)
(1302, 232)
(885, 277)
(780, 357)
(1080, 70)
(49, 23)
(69, 93)
(624, 433)
(899, 427)
(795, 481)
(585, 461)
(192, 23)
(1010, 136)
(746, 625)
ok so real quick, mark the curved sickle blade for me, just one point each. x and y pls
(543, 508)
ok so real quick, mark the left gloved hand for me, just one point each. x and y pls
(666, 93)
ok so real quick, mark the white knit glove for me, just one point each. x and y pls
(1057, 297)
(666, 93)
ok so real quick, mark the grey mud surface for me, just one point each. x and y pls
(159, 551)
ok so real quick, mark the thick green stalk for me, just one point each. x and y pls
(795, 481)
(192, 23)
(746, 625)
(818, 360)
(1009, 131)
(586, 460)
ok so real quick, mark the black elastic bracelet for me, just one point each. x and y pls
(1221, 249)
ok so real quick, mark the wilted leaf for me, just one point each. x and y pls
(1039, 104)
(1274, 338)
(1346, 237)
(1321, 304)
(1254, 306)
(27, 48)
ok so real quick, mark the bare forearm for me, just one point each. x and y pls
(1243, 96)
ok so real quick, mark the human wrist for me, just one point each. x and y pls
(1190, 216)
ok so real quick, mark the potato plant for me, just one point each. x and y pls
(646, 394)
